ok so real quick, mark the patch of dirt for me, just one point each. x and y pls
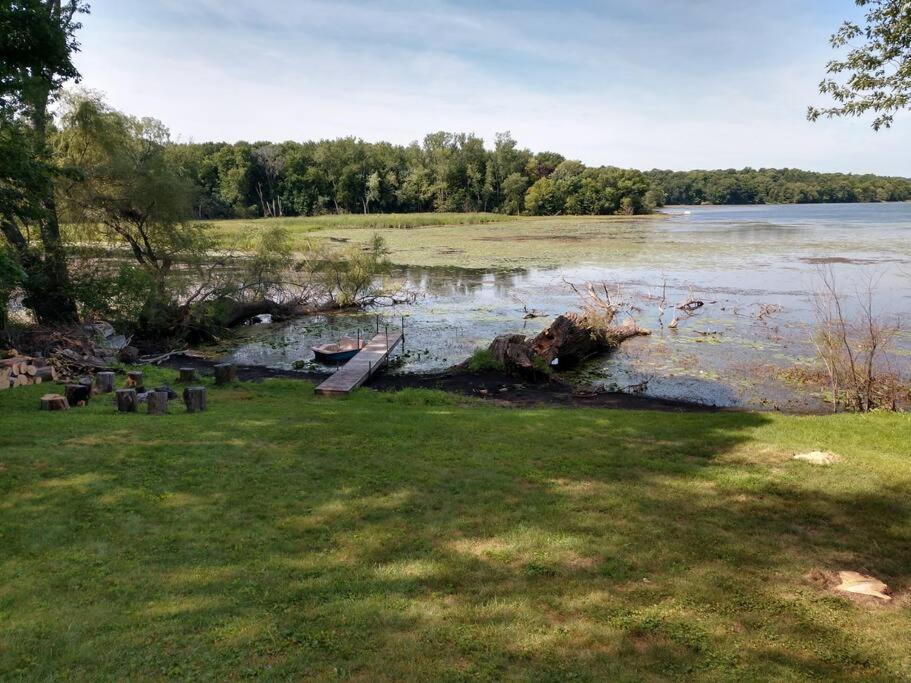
(497, 388)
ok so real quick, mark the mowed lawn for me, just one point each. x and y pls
(413, 536)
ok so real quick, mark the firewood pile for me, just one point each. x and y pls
(78, 350)
(23, 371)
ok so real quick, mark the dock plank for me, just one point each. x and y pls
(359, 369)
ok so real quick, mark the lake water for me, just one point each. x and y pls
(756, 267)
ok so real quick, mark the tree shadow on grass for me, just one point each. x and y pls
(384, 541)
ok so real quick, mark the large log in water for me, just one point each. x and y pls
(567, 340)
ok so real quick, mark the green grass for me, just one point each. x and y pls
(483, 360)
(417, 537)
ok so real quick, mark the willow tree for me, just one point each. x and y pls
(37, 43)
(875, 74)
(124, 190)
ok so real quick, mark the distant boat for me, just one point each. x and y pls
(344, 350)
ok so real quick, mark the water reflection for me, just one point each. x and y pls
(747, 260)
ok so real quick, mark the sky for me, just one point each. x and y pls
(678, 84)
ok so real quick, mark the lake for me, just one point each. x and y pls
(756, 267)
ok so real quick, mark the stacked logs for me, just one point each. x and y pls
(23, 371)
(19, 370)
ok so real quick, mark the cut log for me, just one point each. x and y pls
(23, 380)
(187, 375)
(168, 390)
(104, 382)
(126, 400)
(134, 378)
(30, 369)
(195, 399)
(54, 402)
(46, 373)
(158, 402)
(225, 373)
(78, 394)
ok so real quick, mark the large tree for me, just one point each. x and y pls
(875, 75)
(37, 43)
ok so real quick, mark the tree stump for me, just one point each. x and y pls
(195, 399)
(104, 382)
(126, 400)
(225, 373)
(187, 375)
(134, 379)
(158, 402)
(54, 402)
(78, 394)
(168, 390)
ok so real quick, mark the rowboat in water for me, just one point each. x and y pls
(344, 350)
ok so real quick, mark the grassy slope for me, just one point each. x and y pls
(408, 536)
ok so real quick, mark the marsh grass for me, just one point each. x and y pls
(301, 226)
(414, 536)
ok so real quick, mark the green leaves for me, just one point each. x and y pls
(874, 77)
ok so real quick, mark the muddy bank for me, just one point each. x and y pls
(498, 388)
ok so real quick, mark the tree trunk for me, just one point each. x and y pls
(104, 381)
(54, 402)
(126, 400)
(158, 402)
(78, 394)
(195, 399)
(567, 340)
(187, 375)
(225, 373)
(134, 380)
(49, 291)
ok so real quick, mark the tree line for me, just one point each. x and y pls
(775, 186)
(444, 172)
(455, 172)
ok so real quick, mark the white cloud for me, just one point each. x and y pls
(605, 87)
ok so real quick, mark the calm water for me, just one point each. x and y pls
(757, 266)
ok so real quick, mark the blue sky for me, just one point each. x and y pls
(652, 83)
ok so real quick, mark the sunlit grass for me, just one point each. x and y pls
(414, 536)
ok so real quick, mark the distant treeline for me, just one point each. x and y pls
(455, 172)
(775, 186)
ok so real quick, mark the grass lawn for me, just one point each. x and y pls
(412, 536)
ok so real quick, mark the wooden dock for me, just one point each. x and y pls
(359, 369)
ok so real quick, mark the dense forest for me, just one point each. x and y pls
(775, 186)
(456, 172)
(446, 172)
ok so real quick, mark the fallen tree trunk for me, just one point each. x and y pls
(568, 340)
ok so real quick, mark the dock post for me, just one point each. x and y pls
(377, 324)
(387, 338)
(403, 334)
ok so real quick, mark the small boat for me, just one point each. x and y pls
(344, 350)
